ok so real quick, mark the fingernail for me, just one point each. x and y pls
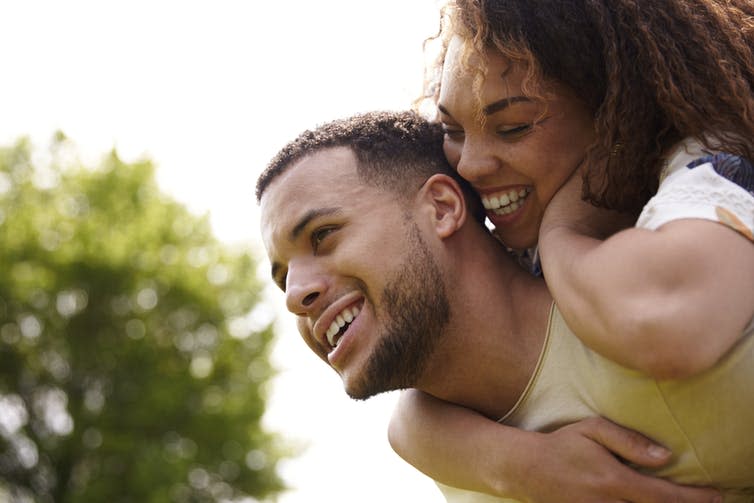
(657, 452)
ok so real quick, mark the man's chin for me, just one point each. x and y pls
(361, 396)
(359, 390)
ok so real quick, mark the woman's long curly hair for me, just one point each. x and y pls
(653, 72)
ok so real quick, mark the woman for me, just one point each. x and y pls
(546, 101)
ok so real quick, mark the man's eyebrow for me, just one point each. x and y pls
(308, 217)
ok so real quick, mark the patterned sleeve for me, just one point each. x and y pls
(718, 187)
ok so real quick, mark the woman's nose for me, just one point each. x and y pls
(477, 162)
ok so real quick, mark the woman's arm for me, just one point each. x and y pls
(575, 464)
(669, 302)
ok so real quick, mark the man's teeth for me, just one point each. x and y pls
(342, 319)
(506, 202)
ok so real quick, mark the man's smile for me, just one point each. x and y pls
(340, 324)
(335, 320)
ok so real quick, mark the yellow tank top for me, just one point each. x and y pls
(707, 421)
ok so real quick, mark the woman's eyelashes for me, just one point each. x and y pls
(457, 134)
(514, 132)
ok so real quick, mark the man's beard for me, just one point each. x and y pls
(417, 311)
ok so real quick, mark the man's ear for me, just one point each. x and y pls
(443, 198)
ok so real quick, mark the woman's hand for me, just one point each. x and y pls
(585, 462)
(568, 211)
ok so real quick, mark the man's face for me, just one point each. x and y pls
(367, 291)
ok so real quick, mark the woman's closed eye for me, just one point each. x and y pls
(515, 131)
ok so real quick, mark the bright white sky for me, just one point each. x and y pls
(210, 90)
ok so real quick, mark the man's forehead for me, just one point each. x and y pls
(317, 180)
(321, 168)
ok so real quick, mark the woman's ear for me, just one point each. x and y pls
(443, 198)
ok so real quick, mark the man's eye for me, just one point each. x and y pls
(319, 235)
(279, 277)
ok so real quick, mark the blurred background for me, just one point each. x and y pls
(144, 355)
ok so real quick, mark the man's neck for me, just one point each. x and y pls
(493, 343)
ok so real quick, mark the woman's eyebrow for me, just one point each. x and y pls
(493, 107)
(503, 103)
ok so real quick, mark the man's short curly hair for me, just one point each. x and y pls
(395, 150)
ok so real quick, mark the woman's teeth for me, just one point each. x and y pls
(344, 318)
(507, 202)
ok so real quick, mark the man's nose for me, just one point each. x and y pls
(303, 287)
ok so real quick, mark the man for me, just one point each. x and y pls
(381, 253)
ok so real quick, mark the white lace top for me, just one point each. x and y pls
(698, 183)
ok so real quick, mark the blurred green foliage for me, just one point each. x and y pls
(131, 365)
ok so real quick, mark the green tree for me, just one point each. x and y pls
(131, 369)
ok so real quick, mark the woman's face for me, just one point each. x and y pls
(519, 151)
